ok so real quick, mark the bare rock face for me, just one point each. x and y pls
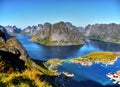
(13, 46)
(2, 37)
(105, 32)
(4, 31)
(12, 54)
(32, 30)
(59, 34)
(13, 30)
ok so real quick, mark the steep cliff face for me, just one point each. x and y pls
(105, 32)
(18, 70)
(13, 30)
(12, 45)
(58, 34)
(10, 54)
(32, 30)
(4, 31)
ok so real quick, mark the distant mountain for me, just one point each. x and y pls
(58, 34)
(64, 33)
(32, 30)
(13, 30)
(105, 32)
(2, 29)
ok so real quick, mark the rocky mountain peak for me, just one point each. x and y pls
(106, 32)
(13, 30)
(58, 34)
(46, 25)
(12, 54)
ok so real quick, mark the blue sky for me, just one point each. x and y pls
(79, 12)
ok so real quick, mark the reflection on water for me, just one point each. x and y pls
(105, 46)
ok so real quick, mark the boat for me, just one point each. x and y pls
(114, 77)
(67, 74)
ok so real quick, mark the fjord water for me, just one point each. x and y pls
(84, 76)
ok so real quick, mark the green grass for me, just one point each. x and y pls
(27, 78)
(43, 71)
(2, 44)
(103, 57)
(100, 55)
(46, 41)
(30, 77)
(53, 63)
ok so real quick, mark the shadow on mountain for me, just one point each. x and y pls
(49, 79)
(17, 80)
(88, 83)
(39, 62)
(5, 32)
(2, 84)
(11, 61)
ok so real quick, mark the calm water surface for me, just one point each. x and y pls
(85, 76)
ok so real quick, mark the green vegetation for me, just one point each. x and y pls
(100, 55)
(42, 71)
(27, 78)
(111, 38)
(53, 63)
(103, 57)
(2, 45)
(30, 77)
(98, 37)
(45, 41)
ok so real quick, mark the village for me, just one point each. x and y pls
(115, 77)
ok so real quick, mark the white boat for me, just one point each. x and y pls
(114, 77)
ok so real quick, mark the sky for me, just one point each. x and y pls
(79, 12)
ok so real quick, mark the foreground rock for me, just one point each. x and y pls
(18, 70)
(59, 34)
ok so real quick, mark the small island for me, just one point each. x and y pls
(107, 58)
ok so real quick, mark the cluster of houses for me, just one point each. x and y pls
(115, 77)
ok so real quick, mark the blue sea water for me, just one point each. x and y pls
(84, 76)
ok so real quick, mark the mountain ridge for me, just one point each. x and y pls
(105, 32)
(58, 34)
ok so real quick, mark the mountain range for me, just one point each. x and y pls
(64, 33)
